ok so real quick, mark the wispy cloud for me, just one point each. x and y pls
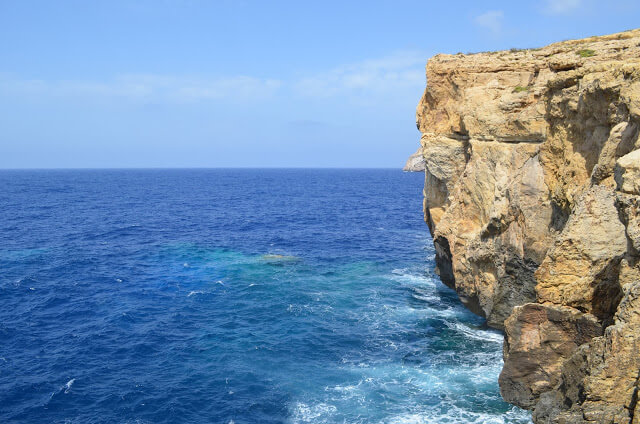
(147, 87)
(385, 75)
(491, 20)
(370, 80)
(561, 7)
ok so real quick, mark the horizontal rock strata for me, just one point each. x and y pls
(532, 196)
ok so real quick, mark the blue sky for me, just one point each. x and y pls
(194, 83)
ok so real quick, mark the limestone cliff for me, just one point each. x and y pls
(532, 196)
(415, 163)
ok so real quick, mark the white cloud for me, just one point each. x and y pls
(560, 7)
(148, 87)
(385, 75)
(491, 20)
(375, 80)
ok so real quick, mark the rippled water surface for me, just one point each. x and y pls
(244, 296)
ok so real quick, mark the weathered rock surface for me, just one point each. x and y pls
(582, 266)
(539, 340)
(628, 173)
(415, 163)
(532, 196)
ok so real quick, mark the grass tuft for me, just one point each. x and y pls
(520, 89)
(586, 53)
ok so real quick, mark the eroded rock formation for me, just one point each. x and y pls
(415, 163)
(532, 196)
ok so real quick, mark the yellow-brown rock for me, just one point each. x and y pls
(628, 173)
(582, 267)
(532, 196)
(540, 339)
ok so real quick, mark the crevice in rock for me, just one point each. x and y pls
(607, 293)
(559, 216)
(634, 399)
(443, 261)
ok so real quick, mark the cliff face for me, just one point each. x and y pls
(532, 196)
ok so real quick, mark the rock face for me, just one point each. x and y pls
(415, 163)
(532, 196)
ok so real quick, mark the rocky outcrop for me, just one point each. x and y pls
(532, 196)
(415, 163)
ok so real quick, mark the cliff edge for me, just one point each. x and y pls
(532, 196)
(415, 163)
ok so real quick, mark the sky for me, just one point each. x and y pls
(195, 83)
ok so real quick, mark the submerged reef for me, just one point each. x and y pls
(532, 196)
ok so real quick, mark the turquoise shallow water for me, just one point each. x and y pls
(275, 296)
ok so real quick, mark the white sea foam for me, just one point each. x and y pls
(67, 386)
(425, 296)
(472, 333)
(320, 412)
(456, 414)
(404, 276)
(349, 388)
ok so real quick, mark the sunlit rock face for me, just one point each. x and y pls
(532, 196)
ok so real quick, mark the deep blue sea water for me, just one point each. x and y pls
(159, 296)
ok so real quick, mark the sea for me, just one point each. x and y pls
(233, 296)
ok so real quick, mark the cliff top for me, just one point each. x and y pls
(497, 95)
(564, 55)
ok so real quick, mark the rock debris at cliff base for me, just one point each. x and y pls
(532, 196)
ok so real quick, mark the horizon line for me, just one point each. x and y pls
(194, 168)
